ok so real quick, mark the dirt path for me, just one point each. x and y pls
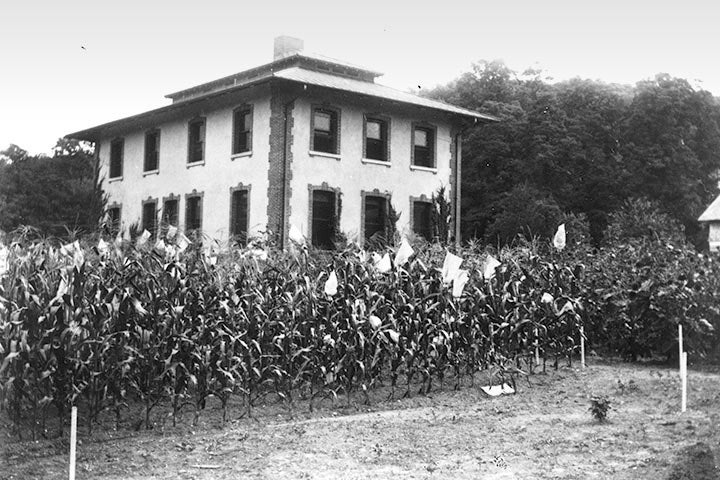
(543, 432)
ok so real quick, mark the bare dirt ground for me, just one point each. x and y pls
(545, 431)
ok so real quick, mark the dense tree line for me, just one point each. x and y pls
(58, 195)
(582, 147)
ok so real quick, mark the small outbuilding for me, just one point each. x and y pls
(711, 216)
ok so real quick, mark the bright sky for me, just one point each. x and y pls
(136, 51)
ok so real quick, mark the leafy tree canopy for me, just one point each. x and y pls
(584, 147)
(56, 195)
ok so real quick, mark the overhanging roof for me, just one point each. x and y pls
(292, 74)
(711, 213)
(352, 85)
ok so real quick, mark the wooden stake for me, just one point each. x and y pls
(683, 405)
(582, 346)
(680, 348)
(73, 441)
(537, 349)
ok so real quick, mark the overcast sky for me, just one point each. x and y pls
(135, 52)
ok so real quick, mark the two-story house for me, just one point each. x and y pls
(304, 141)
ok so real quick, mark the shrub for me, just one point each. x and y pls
(599, 408)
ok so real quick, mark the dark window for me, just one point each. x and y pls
(152, 151)
(116, 158)
(323, 219)
(193, 213)
(422, 222)
(375, 215)
(376, 139)
(325, 130)
(149, 217)
(242, 131)
(424, 147)
(113, 221)
(196, 140)
(170, 213)
(239, 216)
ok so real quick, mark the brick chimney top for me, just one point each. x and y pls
(285, 46)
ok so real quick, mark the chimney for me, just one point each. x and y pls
(286, 46)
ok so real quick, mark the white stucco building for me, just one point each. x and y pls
(303, 140)
(711, 216)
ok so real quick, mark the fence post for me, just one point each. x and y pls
(73, 441)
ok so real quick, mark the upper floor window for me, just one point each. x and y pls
(193, 213)
(376, 139)
(196, 140)
(242, 130)
(423, 146)
(117, 148)
(152, 151)
(325, 131)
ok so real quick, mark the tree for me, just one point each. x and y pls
(53, 194)
(584, 146)
(523, 211)
(671, 144)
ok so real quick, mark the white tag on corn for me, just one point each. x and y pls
(559, 238)
(331, 284)
(296, 235)
(489, 266)
(143, 238)
(4, 252)
(259, 254)
(404, 252)
(67, 249)
(450, 268)
(102, 247)
(384, 265)
(160, 246)
(459, 282)
(182, 242)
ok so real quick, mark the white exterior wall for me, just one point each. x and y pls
(214, 178)
(352, 176)
(714, 236)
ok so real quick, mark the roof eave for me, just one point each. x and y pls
(94, 134)
(469, 114)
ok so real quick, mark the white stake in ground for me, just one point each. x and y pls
(683, 403)
(582, 346)
(73, 440)
(537, 349)
(680, 348)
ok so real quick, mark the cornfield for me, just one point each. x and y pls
(107, 328)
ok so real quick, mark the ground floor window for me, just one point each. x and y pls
(193, 213)
(324, 221)
(376, 212)
(113, 220)
(239, 216)
(171, 207)
(422, 219)
(149, 217)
